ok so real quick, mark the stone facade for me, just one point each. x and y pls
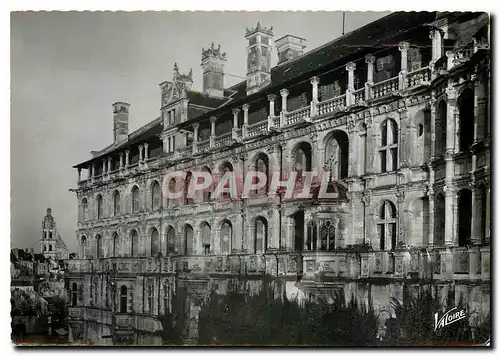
(408, 156)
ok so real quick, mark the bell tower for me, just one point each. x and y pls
(258, 57)
(48, 242)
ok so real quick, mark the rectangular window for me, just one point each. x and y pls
(174, 117)
(383, 161)
(206, 249)
(394, 157)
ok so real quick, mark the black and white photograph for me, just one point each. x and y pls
(250, 178)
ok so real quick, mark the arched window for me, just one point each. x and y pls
(441, 126)
(226, 233)
(466, 112)
(189, 200)
(439, 220)
(83, 246)
(170, 240)
(302, 159)
(207, 192)
(327, 235)
(74, 295)
(262, 166)
(464, 217)
(116, 203)
(123, 299)
(85, 210)
(44, 248)
(155, 242)
(312, 236)
(337, 155)
(116, 245)
(155, 196)
(205, 238)
(134, 244)
(99, 207)
(172, 188)
(260, 238)
(99, 246)
(135, 199)
(386, 225)
(388, 149)
(226, 167)
(188, 240)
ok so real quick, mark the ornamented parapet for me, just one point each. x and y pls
(213, 52)
(259, 28)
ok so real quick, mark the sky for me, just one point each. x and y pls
(67, 68)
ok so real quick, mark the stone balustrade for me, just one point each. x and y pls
(418, 77)
(332, 105)
(296, 116)
(385, 88)
(256, 129)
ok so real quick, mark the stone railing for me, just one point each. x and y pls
(185, 151)
(295, 116)
(203, 145)
(256, 129)
(359, 96)
(223, 140)
(384, 88)
(418, 77)
(275, 121)
(332, 105)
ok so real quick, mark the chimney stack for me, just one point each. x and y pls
(212, 63)
(289, 47)
(258, 57)
(120, 122)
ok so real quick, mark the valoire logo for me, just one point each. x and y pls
(448, 318)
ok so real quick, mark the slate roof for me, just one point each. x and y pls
(387, 31)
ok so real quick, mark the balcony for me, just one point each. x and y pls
(223, 140)
(332, 105)
(385, 88)
(418, 77)
(257, 129)
(296, 116)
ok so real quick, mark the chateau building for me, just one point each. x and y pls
(396, 112)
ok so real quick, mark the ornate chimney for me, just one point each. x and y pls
(258, 57)
(289, 47)
(120, 122)
(212, 63)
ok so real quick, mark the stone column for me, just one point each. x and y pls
(370, 146)
(434, 142)
(370, 60)
(284, 100)
(146, 151)
(140, 153)
(479, 109)
(213, 120)
(195, 137)
(449, 231)
(450, 119)
(488, 213)
(314, 102)
(352, 166)
(475, 232)
(245, 108)
(127, 158)
(437, 50)
(109, 165)
(103, 167)
(79, 174)
(271, 98)
(235, 123)
(430, 195)
(403, 48)
(121, 160)
(350, 67)
(401, 225)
